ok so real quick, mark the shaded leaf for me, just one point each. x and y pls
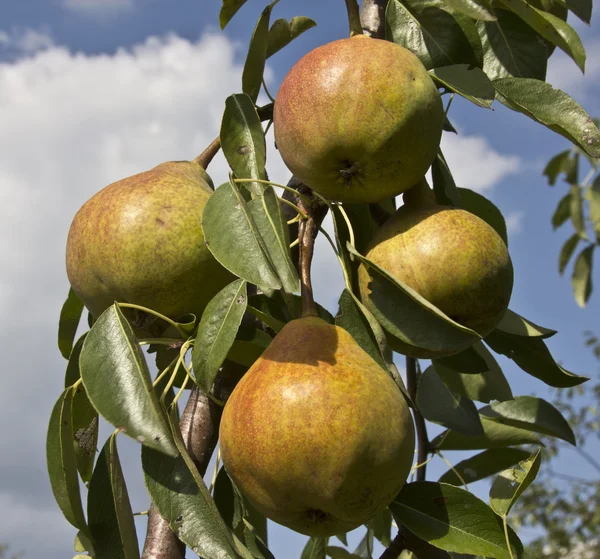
(475, 9)
(482, 207)
(468, 361)
(511, 483)
(364, 549)
(567, 251)
(228, 10)
(593, 197)
(496, 435)
(381, 525)
(444, 186)
(283, 32)
(576, 211)
(511, 48)
(562, 212)
(468, 81)
(551, 27)
(532, 355)
(254, 67)
(181, 497)
(118, 383)
(217, 330)
(483, 465)
(339, 553)
(72, 374)
(243, 140)
(314, 549)
(440, 405)
(109, 510)
(354, 317)
(581, 8)
(437, 35)
(70, 315)
(408, 316)
(62, 463)
(272, 322)
(248, 346)
(233, 238)
(483, 387)
(85, 432)
(581, 280)
(453, 519)
(266, 211)
(560, 163)
(531, 413)
(552, 108)
(512, 323)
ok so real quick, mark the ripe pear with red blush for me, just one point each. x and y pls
(358, 120)
(316, 434)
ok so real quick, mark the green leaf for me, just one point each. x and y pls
(356, 319)
(228, 10)
(576, 210)
(453, 519)
(581, 8)
(365, 547)
(483, 465)
(552, 108)
(254, 67)
(233, 238)
(511, 484)
(314, 549)
(248, 346)
(70, 315)
(512, 323)
(483, 387)
(535, 414)
(181, 497)
(567, 251)
(438, 35)
(562, 212)
(551, 27)
(468, 361)
(381, 525)
(408, 316)
(581, 279)
(85, 432)
(118, 383)
(468, 81)
(83, 543)
(62, 462)
(483, 208)
(511, 48)
(444, 186)
(532, 355)
(243, 140)
(109, 510)
(496, 435)
(593, 197)
(72, 374)
(339, 553)
(475, 9)
(266, 318)
(440, 405)
(283, 32)
(217, 330)
(560, 163)
(266, 211)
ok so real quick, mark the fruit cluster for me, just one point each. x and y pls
(316, 435)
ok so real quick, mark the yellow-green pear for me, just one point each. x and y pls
(140, 241)
(358, 120)
(450, 257)
(317, 435)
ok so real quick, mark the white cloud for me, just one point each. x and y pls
(99, 7)
(475, 164)
(514, 222)
(27, 41)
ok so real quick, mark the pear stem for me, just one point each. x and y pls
(354, 18)
(307, 233)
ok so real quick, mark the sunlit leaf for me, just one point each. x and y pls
(581, 279)
(468, 81)
(512, 323)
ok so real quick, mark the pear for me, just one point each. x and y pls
(450, 257)
(140, 241)
(358, 120)
(317, 435)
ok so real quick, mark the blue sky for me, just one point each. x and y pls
(94, 90)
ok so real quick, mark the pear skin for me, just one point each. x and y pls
(358, 120)
(450, 257)
(140, 241)
(317, 435)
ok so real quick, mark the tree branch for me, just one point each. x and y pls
(354, 18)
(372, 18)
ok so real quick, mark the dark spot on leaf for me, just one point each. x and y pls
(156, 439)
(440, 501)
(179, 518)
(240, 300)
